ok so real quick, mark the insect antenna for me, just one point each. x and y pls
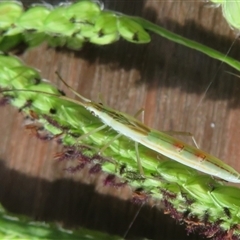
(46, 93)
(72, 90)
(214, 76)
(35, 91)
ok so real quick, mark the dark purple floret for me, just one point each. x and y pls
(139, 197)
(110, 180)
(168, 195)
(95, 169)
(5, 100)
(76, 168)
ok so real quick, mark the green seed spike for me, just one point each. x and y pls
(78, 24)
(132, 31)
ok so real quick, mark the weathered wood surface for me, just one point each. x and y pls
(166, 79)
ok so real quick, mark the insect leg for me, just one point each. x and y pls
(117, 136)
(136, 146)
(91, 132)
(101, 99)
(109, 143)
(138, 160)
(140, 111)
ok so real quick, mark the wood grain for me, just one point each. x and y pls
(166, 79)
